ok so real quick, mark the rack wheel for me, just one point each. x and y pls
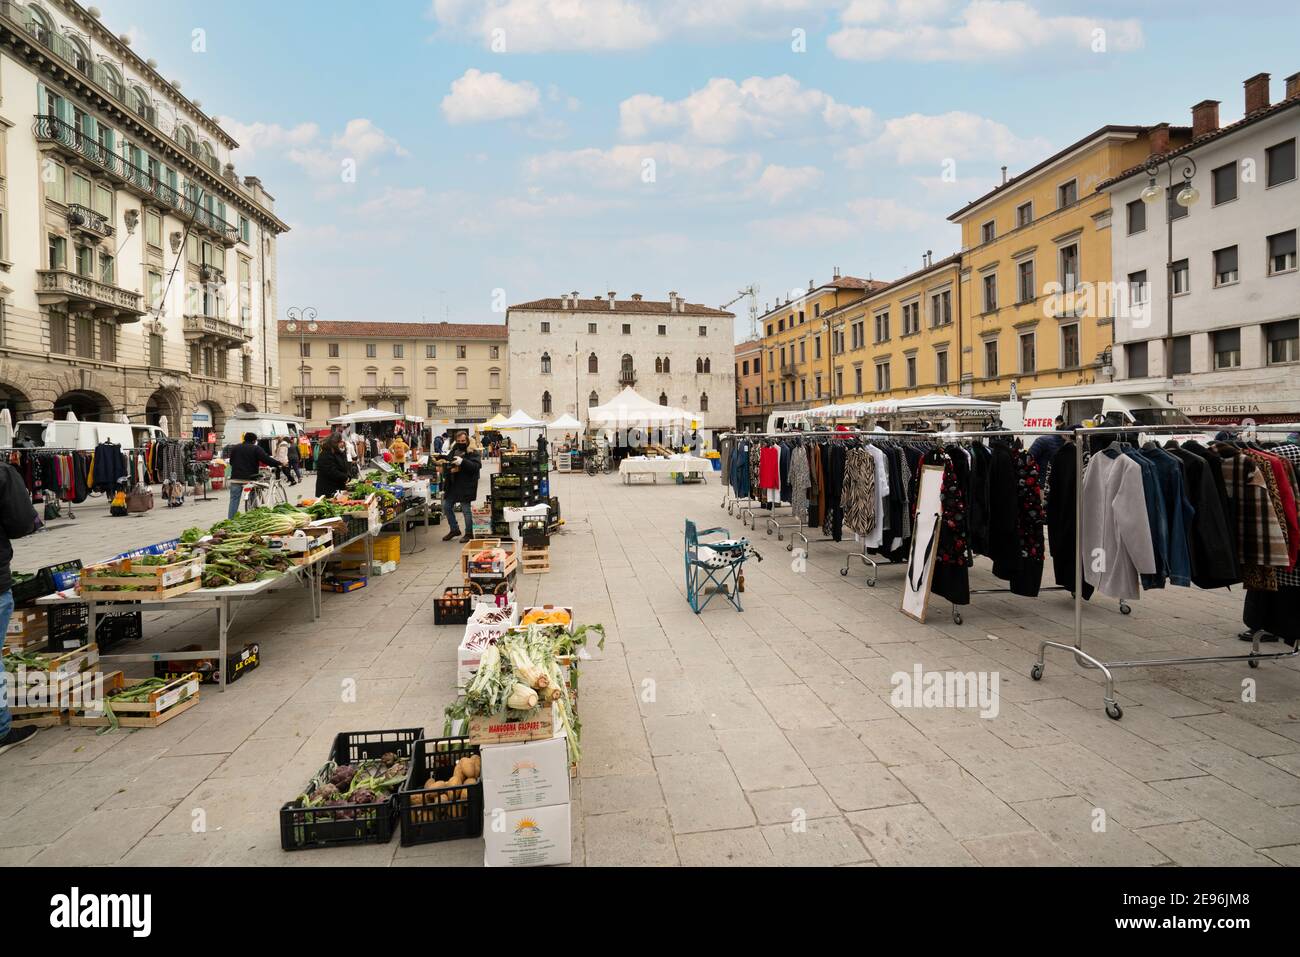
(1114, 712)
(956, 618)
(1036, 672)
(780, 536)
(1125, 609)
(871, 583)
(769, 532)
(1253, 663)
(844, 572)
(790, 547)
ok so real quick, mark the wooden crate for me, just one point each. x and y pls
(505, 569)
(536, 561)
(145, 582)
(34, 718)
(67, 664)
(164, 704)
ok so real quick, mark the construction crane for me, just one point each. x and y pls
(752, 292)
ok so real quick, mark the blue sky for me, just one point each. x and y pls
(486, 175)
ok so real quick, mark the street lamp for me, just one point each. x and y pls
(301, 321)
(1186, 197)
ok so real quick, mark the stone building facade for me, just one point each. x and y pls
(137, 270)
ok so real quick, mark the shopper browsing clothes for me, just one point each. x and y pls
(246, 460)
(461, 485)
(17, 518)
(333, 470)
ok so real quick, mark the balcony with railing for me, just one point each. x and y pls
(90, 224)
(310, 391)
(85, 294)
(65, 136)
(383, 391)
(214, 331)
(627, 377)
(789, 370)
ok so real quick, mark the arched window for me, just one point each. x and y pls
(704, 402)
(659, 364)
(625, 364)
(185, 136)
(140, 101)
(80, 54)
(546, 364)
(593, 364)
(546, 403)
(42, 26)
(210, 157)
(668, 364)
(699, 365)
(708, 365)
(108, 76)
(663, 398)
(593, 400)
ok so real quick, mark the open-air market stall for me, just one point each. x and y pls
(632, 424)
(687, 468)
(898, 413)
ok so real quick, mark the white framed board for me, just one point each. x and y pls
(925, 543)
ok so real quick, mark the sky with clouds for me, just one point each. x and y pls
(541, 146)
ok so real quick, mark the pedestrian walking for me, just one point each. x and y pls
(17, 518)
(461, 485)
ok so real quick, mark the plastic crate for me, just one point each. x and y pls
(69, 627)
(454, 607)
(306, 828)
(46, 581)
(425, 818)
(357, 525)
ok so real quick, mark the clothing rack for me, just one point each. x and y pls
(1081, 657)
(66, 507)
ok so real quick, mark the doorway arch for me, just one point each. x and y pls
(16, 401)
(87, 406)
(164, 402)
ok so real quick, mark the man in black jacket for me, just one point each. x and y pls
(246, 459)
(333, 470)
(17, 518)
(461, 485)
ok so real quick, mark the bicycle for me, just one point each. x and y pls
(265, 492)
(598, 461)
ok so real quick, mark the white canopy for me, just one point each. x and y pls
(519, 419)
(916, 404)
(495, 422)
(565, 423)
(373, 415)
(628, 410)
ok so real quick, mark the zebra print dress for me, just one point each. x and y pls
(858, 496)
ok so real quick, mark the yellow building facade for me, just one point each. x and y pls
(798, 343)
(1036, 272)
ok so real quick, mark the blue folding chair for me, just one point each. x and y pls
(713, 571)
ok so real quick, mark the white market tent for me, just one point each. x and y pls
(630, 410)
(373, 415)
(565, 423)
(519, 419)
(493, 423)
(912, 405)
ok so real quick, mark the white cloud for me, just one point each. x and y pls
(778, 183)
(920, 138)
(535, 26)
(478, 97)
(851, 223)
(925, 30)
(254, 138)
(627, 167)
(759, 107)
(359, 141)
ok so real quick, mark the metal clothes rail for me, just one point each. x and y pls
(1081, 657)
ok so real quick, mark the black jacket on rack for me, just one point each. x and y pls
(1062, 503)
(110, 466)
(1213, 542)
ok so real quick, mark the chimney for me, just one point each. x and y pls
(1004, 176)
(1256, 93)
(1159, 139)
(564, 300)
(810, 285)
(836, 273)
(611, 299)
(1205, 118)
(672, 301)
(636, 297)
(1293, 85)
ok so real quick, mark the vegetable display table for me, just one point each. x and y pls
(226, 601)
(685, 465)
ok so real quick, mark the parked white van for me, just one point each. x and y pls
(267, 425)
(83, 436)
(1137, 403)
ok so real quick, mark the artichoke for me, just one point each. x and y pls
(342, 776)
(364, 796)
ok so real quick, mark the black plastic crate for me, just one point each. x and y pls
(425, 817)
(69, 627)
(304, 828)
(454, 607)
(356, 525)
(46, 581)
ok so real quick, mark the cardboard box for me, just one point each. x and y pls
(535, 837)
(27, 626)
(501, 729)
(470, 650)
(521, 776)
(238, 663)
(481, 609)
(495, 601)
(564, 608)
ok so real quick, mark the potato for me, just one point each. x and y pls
(457, 778)
(471, 780)
(417, 799)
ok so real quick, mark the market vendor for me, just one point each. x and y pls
(333, 470)
(246, 460)
(461, 484)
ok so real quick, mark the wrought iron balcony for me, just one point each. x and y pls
(218, 332)
(212, 274)
(385, 391)
(789, 371)
(89, 223)
(320, 392)
(84, 294)
(51, 129)
(627, 377)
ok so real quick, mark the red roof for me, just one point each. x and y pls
(620, 305)
(404, 330)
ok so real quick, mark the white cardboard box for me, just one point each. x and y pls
(527, 775)
(470, 650)
(532, 838)
(512, 618)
